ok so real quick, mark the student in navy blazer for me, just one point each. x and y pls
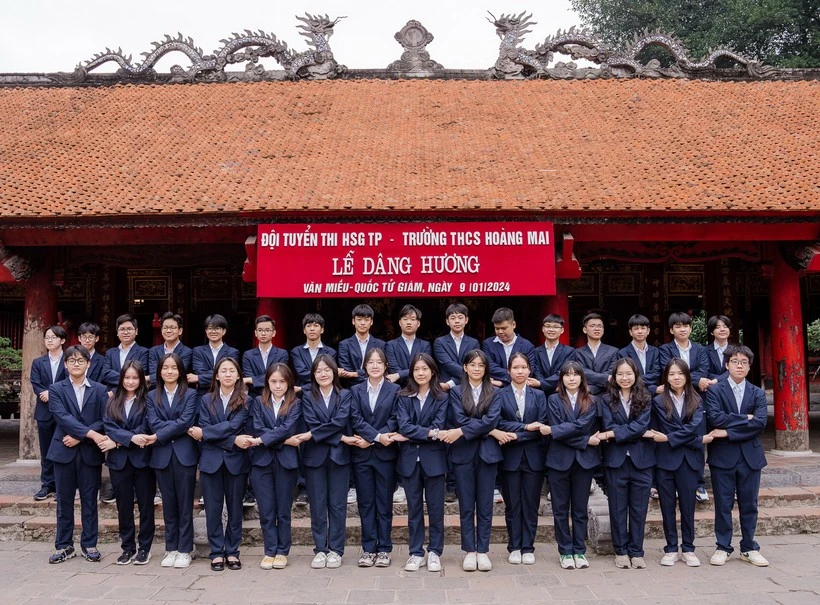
(523, 413)
(681, 347)
(474, 408)
(596, 357)
(256, 361)
(449, 355)
(720, 327)
(172, 410)
(736, 413)
(678, 424)
(302, 356)
(629, 460)
(129, 462)
(572, 456)
(548, 359)
(45, 371)
(276, 416)
(496, 347)
(75, 452)
(326, 458)
(422, 464)
(205, 357)
(401, 350)
(171, 329)
(645, 356)
(89, 335)
(127, 350)
(373, 417)
(351, 359)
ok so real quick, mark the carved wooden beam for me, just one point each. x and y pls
(13, 267)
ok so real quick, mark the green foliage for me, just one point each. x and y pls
(784, 33)
(813, 336)
(699, 333)
(10, 359)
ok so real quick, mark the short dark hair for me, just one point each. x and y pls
(362, 311)
(711, 325)
(732, 350)
(409, 310)
(455, 309)
(88, 327)
(58, 331)
(217, 321)
(171, 315)
(313, 318)
(264, 318)
(590, 316)
(638, 320)
(75, 350)
(126, 318)
(680, 317)
(553, 318)
(503, 314)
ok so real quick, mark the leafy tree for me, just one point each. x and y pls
(813, 336)
(10, 359)
(784, 33)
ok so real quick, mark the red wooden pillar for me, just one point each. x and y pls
(559, 305)
(274, 308)
(790, 401)
(40, 312)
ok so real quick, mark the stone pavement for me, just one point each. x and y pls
(792, 578)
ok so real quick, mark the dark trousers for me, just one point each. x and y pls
(475, 482)
(327, 487)
(522, 495)
(677, 488)
(628, 504)
(746, 483)
(68, 478)
(570, 496)
(177, 482)
(375, 482)
(218, 489)
(273, 486)
(416, 487)
(45, 433)
(128, 482)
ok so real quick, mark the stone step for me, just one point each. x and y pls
(776, 521)
(768, 497)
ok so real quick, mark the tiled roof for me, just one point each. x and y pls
(446, 145)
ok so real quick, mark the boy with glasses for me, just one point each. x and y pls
(127, 350)
(205, 357)
(549, 358)
(171, 328)
(89, 335)
(597, 358)
(313, 326)
(255, 362)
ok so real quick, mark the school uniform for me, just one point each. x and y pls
(274, 471)
(174, 458)
(649, 365)
(715, 362)
(399, 356)
(629, 463)
(736, 461)
(42, 377)
(422, 464)
(203, 364)
(131, 475)
(571, 462)
(523, 465)
(597, 366)
(374, 468)
(697, 359)
(303, 362)
(95, 367)
(546, 371)
(158, 352)
(677, 463)
(326, 460)
(351, 358)
(450, 357)
(76, 467)
(254, 366)
(497, 355)
(110, 373)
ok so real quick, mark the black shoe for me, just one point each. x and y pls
(301, 499)
(44, 493)
(218, 565)
(64, 554)
(126, 557)
(450, 497)
(249, 500)
(234, 563)
(142, 558)
(107, 496)
(92, 554)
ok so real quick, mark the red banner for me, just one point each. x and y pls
(405, 259)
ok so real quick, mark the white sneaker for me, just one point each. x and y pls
(691, 559)
(470, 563)
(334, 560)
(580, 561)
(157, 500)
(755, 558)
(183, 560)
(622, 562)
(670, 558)
(319, 561)
(719, 558)
(483, 562)
(514, 558)
(351, 495)
(169, 558)
(413, 563)
(567, 562)
(433, 562)
(497, 497)
(399, 495)
(528, 558)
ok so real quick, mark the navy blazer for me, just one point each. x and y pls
(218, 433)
(529, 445)
(652, 375)
(368, 424)
(547, 373)
(570, 435)
(451, 363)
(350, 356)
(698, 360)
(41, 381)
(715, 368)
(416, 424)
(597, 368)
(302, 362)
(121, 431)
(476, 442)
(398, 358)
(203, 364)
(744, 434)
(685, 438)
(71, 421)
(170, 422)
(95, 370)
(252, 367)
(629, 437)
(158, 352)
(274, 431)
(327, 425)
(498, 360)
(110, 374)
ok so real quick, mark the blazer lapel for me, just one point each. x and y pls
(529, 405)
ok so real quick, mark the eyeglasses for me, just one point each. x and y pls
(126, 330)
(170, 328)
(264, 331)
(595, 326)
(740, 363)
(50, 338)
(76, 361)
(87, 336)
(213, 329)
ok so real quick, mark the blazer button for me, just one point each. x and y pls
(172, 440)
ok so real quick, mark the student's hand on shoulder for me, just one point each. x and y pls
(193, 378)
(497, 383)
(534, 383)
(659, 390)
(445, 386)
(392, 377)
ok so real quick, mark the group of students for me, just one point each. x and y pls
(502, 411)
